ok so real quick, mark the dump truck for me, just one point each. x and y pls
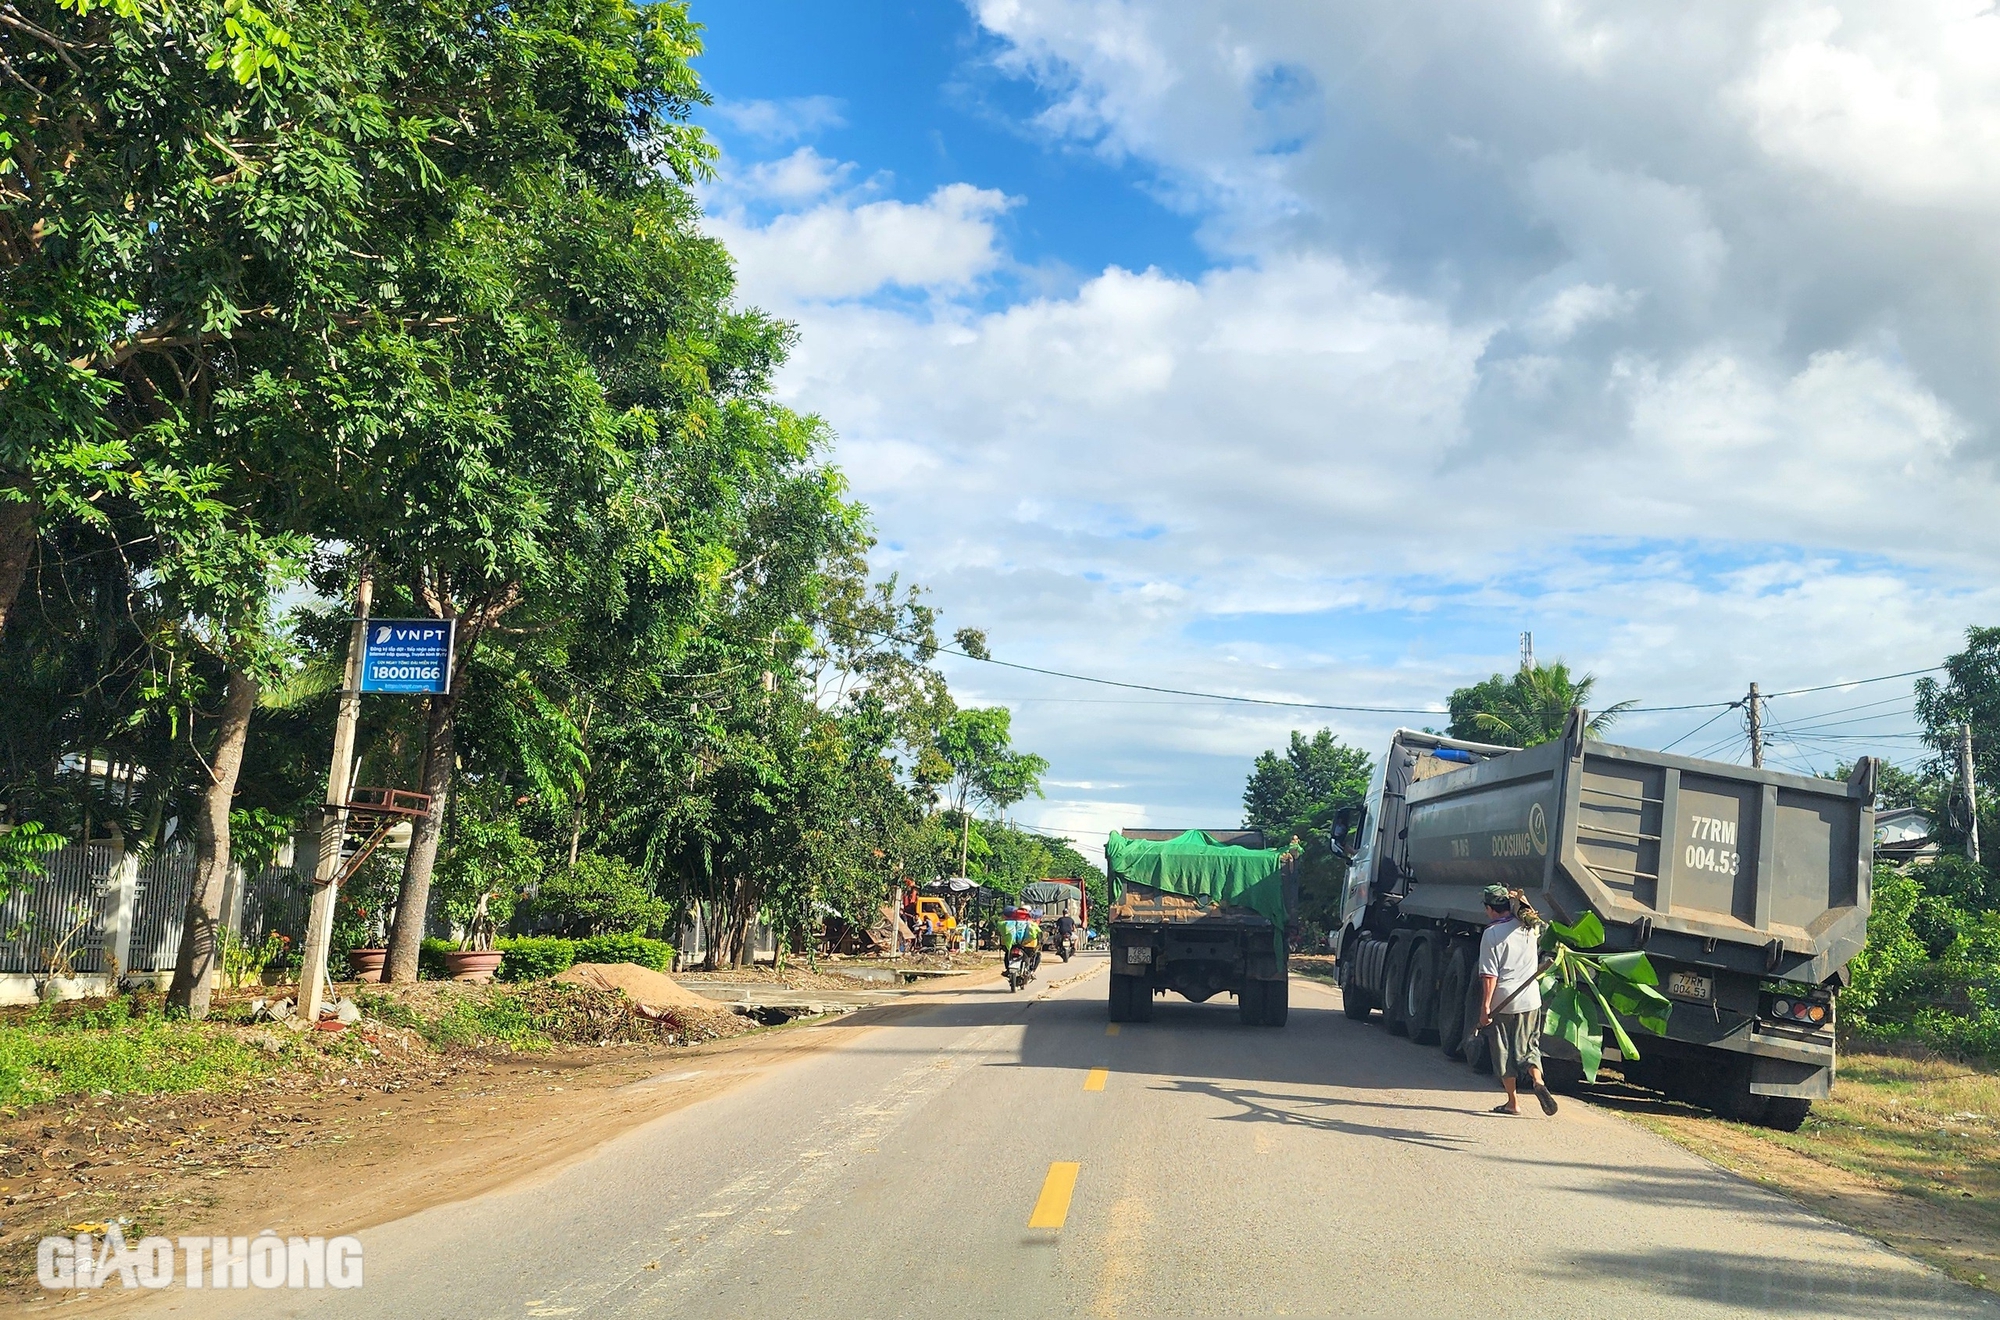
(1200, 913)
(1748, 890)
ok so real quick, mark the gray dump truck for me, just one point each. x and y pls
(1200, 913)
(1747, 888)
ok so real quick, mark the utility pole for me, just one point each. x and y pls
(1971, 790)
(333, 822)
(1756, 730)
(1527, 650)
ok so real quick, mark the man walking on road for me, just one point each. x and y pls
(1510, 1001)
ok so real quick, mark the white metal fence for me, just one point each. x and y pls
(101, 907)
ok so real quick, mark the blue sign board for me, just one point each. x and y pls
(407, 655)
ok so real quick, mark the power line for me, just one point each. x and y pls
(1699, 727)
(1364, 710)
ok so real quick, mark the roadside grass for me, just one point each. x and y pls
(123, 1046)
(1907, 1150)
(451, 1016)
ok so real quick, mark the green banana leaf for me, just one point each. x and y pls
(1587, 933)
(1568, 1019)
(1586, 994)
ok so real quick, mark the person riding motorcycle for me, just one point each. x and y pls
(1021, 930)
(1066, 935)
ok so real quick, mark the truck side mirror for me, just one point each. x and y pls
(1346, 829)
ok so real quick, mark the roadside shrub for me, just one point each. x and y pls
(656, 954)
(430, 959)
(597, 895)
(535, 957)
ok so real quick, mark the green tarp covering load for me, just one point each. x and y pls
(1195, 865)
(1054, 897)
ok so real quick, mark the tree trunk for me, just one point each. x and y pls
(17, 540)
(965, 841)
(406, 938)
(201, 932)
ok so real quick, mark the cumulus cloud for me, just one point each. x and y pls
(1668, 333)
(844, 247)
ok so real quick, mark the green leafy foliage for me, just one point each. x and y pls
(1294, 795)
(1585, 994)
(123, 1046)
(598, 895)
(536, 957)
(1526, 708)
(656, 954)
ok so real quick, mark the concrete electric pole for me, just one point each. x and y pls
(1527, 650)
(333, 826)
(1756, 729)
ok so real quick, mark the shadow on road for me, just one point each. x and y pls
(1295, 1110)
(1773, 1285)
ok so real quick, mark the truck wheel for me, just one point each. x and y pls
(1250, 1004)
(1785, 1113)
(1394, 984)
(1420, 991)
(1353, 999)
(1121, 998)
(1452, 990)
(1277, 1003)
(1141, 1008)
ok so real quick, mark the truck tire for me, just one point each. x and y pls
(1394, 976)
(1420, 990)
(1142, 999)
(1250, 1003)
(1121, 998)
(1277, 1003)
(1354, 1001)
(1786, 1114)
(1453, 989)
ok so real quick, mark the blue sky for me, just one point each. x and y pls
(1313, 351)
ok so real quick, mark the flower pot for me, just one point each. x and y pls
(472, 964)
(366, 964)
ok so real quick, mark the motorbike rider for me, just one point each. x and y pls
(1065, 931)
(1021, 930)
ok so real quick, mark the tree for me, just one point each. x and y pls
(978, 745)
(1294, 796)
(1969, 693)
(1527, 708)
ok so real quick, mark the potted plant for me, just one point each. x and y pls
(357, 918)
(476, 959)
(479, 879)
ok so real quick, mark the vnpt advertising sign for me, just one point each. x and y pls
(407, 655)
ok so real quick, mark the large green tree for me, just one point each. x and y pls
(1293, 794)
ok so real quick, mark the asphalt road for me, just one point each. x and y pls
(1188, 1166)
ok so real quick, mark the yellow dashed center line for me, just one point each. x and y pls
(1052, 1206)
(1111, 1030)
(1095, 1078)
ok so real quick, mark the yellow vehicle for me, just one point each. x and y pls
(934, 916)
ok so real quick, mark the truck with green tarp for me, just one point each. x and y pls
(1200, 913)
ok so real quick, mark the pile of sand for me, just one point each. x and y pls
(640, 984)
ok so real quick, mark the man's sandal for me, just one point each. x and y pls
(1548, 1101)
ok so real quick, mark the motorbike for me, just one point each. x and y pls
(1066, 947)
(1019, 964)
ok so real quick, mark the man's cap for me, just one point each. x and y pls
(1496, 896)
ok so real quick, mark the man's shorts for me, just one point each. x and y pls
(1517, 1043)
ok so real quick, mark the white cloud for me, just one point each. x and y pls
(785, 120)
(846, 249)
(1667, 333)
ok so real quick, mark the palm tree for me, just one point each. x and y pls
(1528, 708)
